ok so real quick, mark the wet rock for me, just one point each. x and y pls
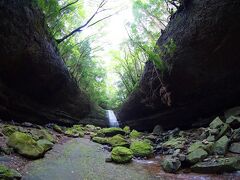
(223, 130)
(157, 130)
(218, 166)
(8, 174)
(182, 157)
(233, 121)
(235, 135)
(7, 130)
(141, 148)
(211, 138)
(47, 145)
(197, 155)
(57, 128)
(127, 129)
(121, 155)
(118, 140)
(176, 143)
(109, 159)
(151, 137)
(220, 147)
(91, 128)
(111, 131)
(25, 145)
(214, 131)
(6, 150)
(235, 148)
(171, 165)
(135, 134)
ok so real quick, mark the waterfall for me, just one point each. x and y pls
(112, 119)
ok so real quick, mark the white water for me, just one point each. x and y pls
(112, 119)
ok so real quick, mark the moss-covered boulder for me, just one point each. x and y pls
(171, 165)
(127, 129)
(47, 145)
(108, 132)
(216, 123)
(42, 134)
(7, 130)
(197, 155)
(9, 174)
(207, 147)
(218, 166)
(141, 148)
(57, 128)
(118, 140)
(91, 128)
(135, 134)
(175, 143)
(121, 154)
(25, 145)
(220, 147)
(100, 140)
(73, 132)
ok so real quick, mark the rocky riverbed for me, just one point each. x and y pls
(30, 151)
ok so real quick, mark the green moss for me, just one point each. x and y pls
(47, 145)
(91, 128)
(7, 173)
(141, 148)
(127, 129)
(207, 147)
(176, 143)
(57, 128)
(118, 140)
(197, 155)
(121, 155)
(25, 145)
(135, 134)
(100, 140)
(72, 132)
(42, 134)
(7, 130)
(111, 131)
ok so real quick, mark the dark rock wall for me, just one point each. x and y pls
(203, 74)
(35, 85)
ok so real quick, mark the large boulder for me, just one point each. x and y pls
(121, 155)
(25, 145)
(201, 78)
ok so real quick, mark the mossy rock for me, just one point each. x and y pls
(220, 147)
(171, 165)
(25, 145)
(100, 140)
(7, 130)
(135, 134)
(127, 129)
(207, 147)
(121, 155)
(91, 128)
(9, 174)
(216, 123)
(42, 134)
(176, 143)
(47, 145)
(141, 148)
(220, 165)
(108, 132)
(72, 132)
(118, 140)
(78, 127)
(57, 128)
(197, 155)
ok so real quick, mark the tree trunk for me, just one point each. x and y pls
(35, 84)
(203, 74)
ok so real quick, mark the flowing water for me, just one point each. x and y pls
(113, 122)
